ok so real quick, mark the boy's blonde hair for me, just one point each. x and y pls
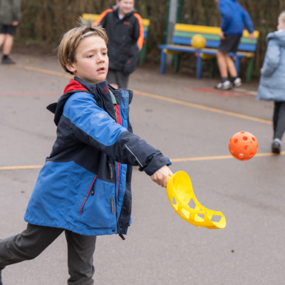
(282, 17)
(70, 42)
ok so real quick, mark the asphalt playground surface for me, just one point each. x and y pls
(191, 124)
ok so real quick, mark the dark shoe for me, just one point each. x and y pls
(7, 60)
(237, 82)
(227, 85)
(276, 146)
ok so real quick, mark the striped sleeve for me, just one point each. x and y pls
(102, 16)
(93, 126)
(141, 31)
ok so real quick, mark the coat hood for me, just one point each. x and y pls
(99, 91)
(279, 36)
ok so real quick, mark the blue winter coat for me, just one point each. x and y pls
(85, 184)
(272, 83)
(234, 17)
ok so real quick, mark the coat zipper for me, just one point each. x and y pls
(111, 171)
(119, 121)
(91, 189)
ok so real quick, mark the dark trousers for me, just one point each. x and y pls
(279, 120)
(35, 239)
(118, 77)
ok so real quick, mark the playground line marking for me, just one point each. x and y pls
(172, 160)
(220, 157)
(185, 103)
(43, 71)
(20, 167)
(202, 107)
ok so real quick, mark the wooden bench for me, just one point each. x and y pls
(181, 42)
(146, 22)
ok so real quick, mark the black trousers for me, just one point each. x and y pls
(279, 120)
(35, 239)
(118, 77)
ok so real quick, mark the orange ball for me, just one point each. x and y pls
(243, 146)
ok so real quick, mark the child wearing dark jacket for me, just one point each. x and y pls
(84, 188)
(272, 85)
(234, 17)
(125, 31)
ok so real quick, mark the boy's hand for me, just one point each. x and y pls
(15, 23)
(252, 36)
(161, 176)
(221, 35)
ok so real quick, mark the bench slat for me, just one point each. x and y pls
(205, 50)
(212, 44)
(206, 30)
(211, 37)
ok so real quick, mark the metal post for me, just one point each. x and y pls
(179, 9)
(171, 23)
(171, 19)
(166, 22)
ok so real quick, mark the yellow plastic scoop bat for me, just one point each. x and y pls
(182, 198)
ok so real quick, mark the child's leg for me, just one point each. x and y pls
(123, 79)
(27, 245)
(231, 67)
(2, 40)
(275, 117)
(112, 78)
(222, 62)
(80, 258)
(8, 44)
(279, 120)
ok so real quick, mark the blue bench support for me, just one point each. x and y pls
(162, 61)
(199, 58)
(199, 66)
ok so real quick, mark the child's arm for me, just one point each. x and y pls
(226, 15)
(161, 176)
(248, 23)
(272, 58)
(102, 18)
(93, 126)
(138, 32)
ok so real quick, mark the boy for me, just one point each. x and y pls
(272, 85)
(125, 31)
(233, 19)
(84, 187)
(10, 15)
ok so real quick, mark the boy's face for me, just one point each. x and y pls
(125, 6)
(92, 61)
(281, 25)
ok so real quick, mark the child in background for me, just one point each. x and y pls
(234, 17)
(10, 15)
(272, 83)
(124, 28)
(84, 188)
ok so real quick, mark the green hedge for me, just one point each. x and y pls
(46, 20)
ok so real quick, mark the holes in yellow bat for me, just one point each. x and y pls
(192, 204)
(185, 213)
(216, 218)
(199, 217)
(174, 203)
